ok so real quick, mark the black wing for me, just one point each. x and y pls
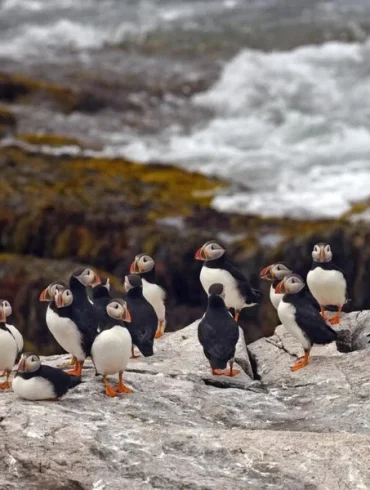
(60, 380)
(218, 335)
(251, 295)
(143, 325)
(313, 325)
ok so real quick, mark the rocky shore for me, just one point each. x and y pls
(62, 204)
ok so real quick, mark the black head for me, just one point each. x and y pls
(133, 281)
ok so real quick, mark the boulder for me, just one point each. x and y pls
(185, 429)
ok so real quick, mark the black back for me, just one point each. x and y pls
(309, 319)
(251, 295)
(60, 380)
(218, 333)
(144, 321)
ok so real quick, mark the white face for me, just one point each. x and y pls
(322, 253)
(279, 271)
(63, 297)
(7, 308)
(29, 363)
(88, 278)
(117, 309)
(145, 263)
(293, 284)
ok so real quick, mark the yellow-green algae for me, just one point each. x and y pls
(49, 139)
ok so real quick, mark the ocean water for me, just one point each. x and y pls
(286, 119)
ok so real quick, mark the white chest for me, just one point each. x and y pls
(17, 335)
(327, 286)
(36, 388)
(275, 298)
(8, 350)
(156, 297)
(286, 313)
(65, 333)
(233, 299)
(111, 350)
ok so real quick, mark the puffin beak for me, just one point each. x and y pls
(266, 272)
(200, 255)
(59, 300)
(2, 316)
(22, 365)
(134, 268)
(45, 296)
(322, 254)
(96, 280)
(126, 316)
(280, 288)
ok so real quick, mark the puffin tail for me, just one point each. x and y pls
(74, 381)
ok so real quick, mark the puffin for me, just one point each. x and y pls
(15, 332)
(301, 319)
(33, 381)
(72, 328)
(218, 333)
(144, 321)
(275, 273)
(111, 349)
(216, 269)
(8, 349)
(326, 281)
(80, 279)
(144, 266)
(101, 297)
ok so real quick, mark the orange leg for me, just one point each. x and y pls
(133, 355)
(322, 312)
(236, 315)
(109, 391)
(301, 362)
(77, 371)
(217, 372)
(336, 319)
(122, 388)
(72, 362)
(6, 383)
(231, 371)
(160, 330)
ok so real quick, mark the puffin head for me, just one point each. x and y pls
(63, 297)
(29, 363)
(6, 306)
(86, 276)
(132, 281)
(142, 263)
(210, 251)
(48, 294)
(117, 309)
(274, 271)
(322, 252)
(291, 284)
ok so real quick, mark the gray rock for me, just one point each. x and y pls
(185, 429)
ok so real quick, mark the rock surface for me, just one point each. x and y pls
(184, 429)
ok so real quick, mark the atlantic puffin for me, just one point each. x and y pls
(111, 349)
(144, 266)
(144, 321)
(301, 319)
(8, 349)
(33, 381)
(275, 273)
(15, 332)
(101, 297)
(326, 281)
(80, 279)
(216, 269)
(72, 328)
(218, 333)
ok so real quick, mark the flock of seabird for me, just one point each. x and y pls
(87, 322)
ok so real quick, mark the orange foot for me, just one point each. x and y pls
(158, 334)
(218, 372)
(231, 372)
(122, 388)
(334, 321)
(70, 363)
(301, 362)
(77, 369)
(109, 390)
(5, 385)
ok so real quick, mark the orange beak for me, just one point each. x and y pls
(2, 316)
(134, 268)
(22, 365)
(59, 300)
(45, 296)
(266, 272)
(126, 316)
(200, 255)
(280, 288)
(322, 254)
(96, 280)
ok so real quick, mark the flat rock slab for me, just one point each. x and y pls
(185, 429)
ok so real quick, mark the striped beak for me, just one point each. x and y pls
(266, 273)
(200, 255)
(22, 365)
(280, 288)
(59, 299)
(45, 295)
(126, 316)
(96, 281)
(2, 316)
(134, 268)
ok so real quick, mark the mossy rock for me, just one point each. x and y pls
(8, 122)
(49, 139)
